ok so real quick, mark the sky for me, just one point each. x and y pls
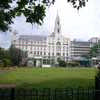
(81, 25)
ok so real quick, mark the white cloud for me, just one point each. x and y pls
(83, 24)
(4, 40)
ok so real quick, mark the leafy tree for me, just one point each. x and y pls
(95, 51)
(5, 58)
(33, 10)
(13, 56)
(62, 63)
(16, 55)
(7, 62)
(4, 54)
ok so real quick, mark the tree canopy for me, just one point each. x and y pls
(33, 10)
(13, 56)
(95, 50)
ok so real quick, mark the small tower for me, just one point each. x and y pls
(13, 36)
(57, 28)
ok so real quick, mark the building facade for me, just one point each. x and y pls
(44, 51)
(79, 49)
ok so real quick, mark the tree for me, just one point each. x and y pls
(95, 51)
(17, 55)
(33, 10)
(12, 56)
(61, 63)
(4, 54)
(7, 62)
(5, 58)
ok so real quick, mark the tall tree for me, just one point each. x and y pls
(17, 55)
(95, 51)
(33, 10)
(4, 54)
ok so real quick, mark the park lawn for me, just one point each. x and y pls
(49, 77)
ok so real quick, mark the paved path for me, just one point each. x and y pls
(7, 85)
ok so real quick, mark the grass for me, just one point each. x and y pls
(49, 77)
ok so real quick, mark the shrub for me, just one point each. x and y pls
(62, 63)
(6, 62)
(73, 64)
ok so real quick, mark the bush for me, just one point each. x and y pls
(62, 63)
(73, 64)
(6, 62)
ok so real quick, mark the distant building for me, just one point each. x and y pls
(94, 40)
(79, 49)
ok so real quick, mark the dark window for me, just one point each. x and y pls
(38, 52)
(58, 54)
(34, 52)
(58, 30)
(31, 52)
(53, 54)
(58, 22)
(44, 53)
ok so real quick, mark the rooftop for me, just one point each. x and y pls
(32, 37)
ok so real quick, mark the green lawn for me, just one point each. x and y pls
(49, 77)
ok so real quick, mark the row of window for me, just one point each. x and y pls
(40, 48)
(31, 42)
(44, 53)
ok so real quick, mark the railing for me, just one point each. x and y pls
(49, 94)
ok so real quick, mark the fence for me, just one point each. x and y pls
(49, 94)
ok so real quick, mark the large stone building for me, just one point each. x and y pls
(44, 50)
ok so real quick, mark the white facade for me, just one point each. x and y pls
(45, 49)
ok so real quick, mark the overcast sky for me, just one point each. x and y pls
(81, 25)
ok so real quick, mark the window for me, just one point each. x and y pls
(31, 52)
(58, 54)
(58, 43)
(53, 54)
(34, 52)
(44, 53)
(44, 61)
(40, 53)
(58, 22)
(58, 30)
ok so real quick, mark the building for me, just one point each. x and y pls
(44, 51)
(79, 49)
(94, 40)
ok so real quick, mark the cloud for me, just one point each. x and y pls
(5, 40)
(83, 24)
